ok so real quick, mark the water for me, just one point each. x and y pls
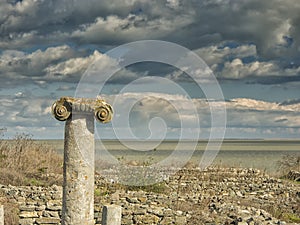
(260, 154)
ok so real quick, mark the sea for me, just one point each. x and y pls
(264, 155)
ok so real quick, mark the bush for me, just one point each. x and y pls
(22, 161)
(289, 162)
(11, 210)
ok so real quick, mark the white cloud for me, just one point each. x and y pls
(215, 54)
(72, 66)
(261, 114)
(228, 62)
(244, 116)
(237, 69)
(61, 63)
(33, 64)
(266, 36)
(133, 27)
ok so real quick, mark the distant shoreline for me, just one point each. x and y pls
(199, 141)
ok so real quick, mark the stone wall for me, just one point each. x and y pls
(215, 196)
(40, 205)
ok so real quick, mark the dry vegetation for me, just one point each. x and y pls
(288, 163)
(11, 210)
(24, 162)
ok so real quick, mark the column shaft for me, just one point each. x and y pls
(78, 187)
(1, 215)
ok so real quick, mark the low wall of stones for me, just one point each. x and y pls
(40, 205)
(216, 196)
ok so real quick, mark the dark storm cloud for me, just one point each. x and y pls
(237, 38)
(268, 24)
(30, 22)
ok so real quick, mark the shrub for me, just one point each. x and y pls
(11, 210)
(289, 162)
(26, 162)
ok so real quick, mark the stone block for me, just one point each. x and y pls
(26, 221)
(146, 219)
(180, 220)
(111, 215)
(47, 221)
(1, 215)
(31, 214)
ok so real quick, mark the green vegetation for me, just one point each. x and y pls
(290, 217)
(97, 192)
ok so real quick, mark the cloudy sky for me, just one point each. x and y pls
(251, 46)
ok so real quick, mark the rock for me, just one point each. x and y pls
(142, 199)
(140, 212)
(132, 200)
(28, 208)
(54, 214)
(127, 221)
(166, 221)
(158, 211)
(115, 196)
(213, 196)
(146, 219)
(26, 221)
(242, 223)
(40, 208)
(47, 221)
(239, 194)
(180, 220)
(31, 214)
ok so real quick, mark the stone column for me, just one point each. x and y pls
(79, 147)
(1, 215)
(111, 215)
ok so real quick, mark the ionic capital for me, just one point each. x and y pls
(63, 108)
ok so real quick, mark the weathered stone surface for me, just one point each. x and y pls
(47, 221)
(26, 221)
(111, 215)
(28, 208)
(30, 214)
(132, 200)
(146, 219)
(167, 221)
(200, 201)
(1, 215)
(158, 211)
(53, 205)
(180, 220)
(78, 199)
(65, 106)
(78, 187)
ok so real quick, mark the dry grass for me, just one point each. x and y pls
(287, 163)
(24, 162)
(11, 210)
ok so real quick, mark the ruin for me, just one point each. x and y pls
(79, 147)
